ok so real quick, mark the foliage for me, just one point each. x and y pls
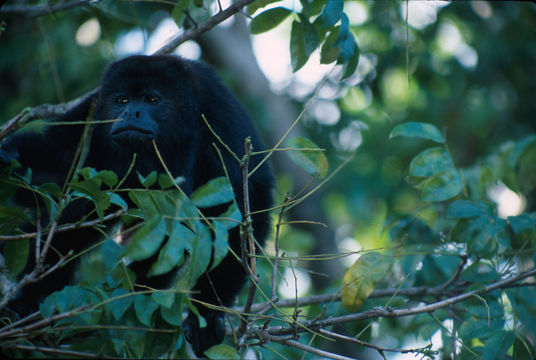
(429, 256)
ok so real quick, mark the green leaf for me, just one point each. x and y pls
(165, 182)
(360, 279)
(463, 209)
(298, 57)
(164, 298)
(15, 254)
(429, 162)
(268, 19)
(418, 130)
(345, 41)
(524, 307)
(200, 254)
(524, 227)
(215, 192)
(221, 243)
(112, 253)
(351, 66)
(310, 158)
(442, 186)
(332, 12)
(329, 52)
(145, 307)
(496, 347)
(222, 352)
(91, 188)
(119, 306)
(173, 315)
(523, 349)
(178, 13)
(148, 181)
(147, 240)
(108, 177)
(172, 253)
(259, 4)
(232, 212)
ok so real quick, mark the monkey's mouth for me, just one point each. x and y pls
(131, 134)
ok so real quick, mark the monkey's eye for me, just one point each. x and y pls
(121, 100)
(152, 99)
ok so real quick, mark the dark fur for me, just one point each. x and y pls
(186, 90)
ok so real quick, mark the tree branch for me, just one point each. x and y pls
(385, 312)
(204, 27)
(34, 11)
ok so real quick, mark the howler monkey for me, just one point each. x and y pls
(162, 99)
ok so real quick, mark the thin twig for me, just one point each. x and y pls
(393, 313)
(310, 349)
(62, 228)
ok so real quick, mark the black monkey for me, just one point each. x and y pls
(160, 98)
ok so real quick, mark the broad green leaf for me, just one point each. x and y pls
(164, 182)
(111, 252)
(48, 306)
(418, 130)
(87, 173)
(524, 306)
(221, 243)
(200, 254)
(298, 54)
(147, 240)
(233, 214)
(479, 328)
(442, 186)
(351, 66)
(222, 352)
(173, 315)
(329, 52)
(523, 349)
(119, 306)
(52, 189)
(148, 181)
(310, 158)
(108, 177)
(117, 200)
(345, 41)
(524, 227)
(156, 202)
(172, 253)
(463, 209)
(268, 19)
(215, 192)
(332, 12)
(259, 4)
(480, 272)
(496, 347)
(144, 307)
(164, 298)
(429, 162)
(15, 256)
(310, 36)
(91, 187)
(360, 279)
(178, 13)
